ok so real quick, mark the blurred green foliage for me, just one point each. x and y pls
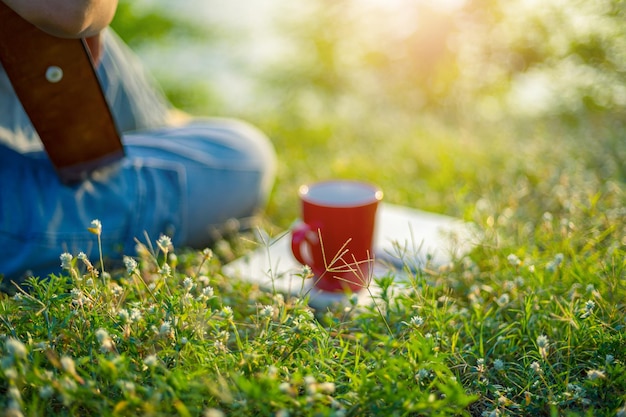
(141, 25)
(489, 58)
(138, 24)
(443, 107)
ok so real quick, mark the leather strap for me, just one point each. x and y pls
(56, 83)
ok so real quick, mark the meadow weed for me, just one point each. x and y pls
(501, 331)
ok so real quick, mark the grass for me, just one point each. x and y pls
(531, 322)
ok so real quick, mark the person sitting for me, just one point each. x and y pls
(182, 177)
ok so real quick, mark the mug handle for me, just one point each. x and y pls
(302, 237)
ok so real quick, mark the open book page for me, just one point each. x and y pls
(406, 240)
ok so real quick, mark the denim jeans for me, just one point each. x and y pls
(182, 181)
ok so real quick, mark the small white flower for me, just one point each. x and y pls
(609, 359)
(594, 374)
(188, 283)
(514, 260)
(480, 365)
(306, 272)
(135, 314)
(208, 292)
(68, 365)
(542, 344)
(213, 412)
(220, 346)
(95, 227)
(102, 335)
(123, 315)
(11, 373)
(498, 365)
(164, 243)
(150, 361)
(15, 348)
(66, 260)
(542, 341)
(227, 312)
(165, 329)
(106, 343)
(326, 387)
(417, 321)
(165, 271)
(267, 311)
(536, 367)
(503, 299)
(130, 264)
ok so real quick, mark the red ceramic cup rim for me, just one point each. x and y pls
(343, 193)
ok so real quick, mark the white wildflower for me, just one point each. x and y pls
(95, 227)
(417, 321)
(306, 272)
(285, 387)
(267, 311)
(480, 365)
(135, 314)
(166, 328)
(66, 260)
(130, 264)
(227, 312)
(106, 343)
(213, 412)
(594, 374)
(208, 292)
(542, 341)
(536, 367)
(15, 348)
(514, 260)
(123, 315)
(150, 361)
(165, 271)
(10, 372)
(164, 243)
(542, 344)
(188, 283)
(503, 299)
(68, 365)
(326, 387)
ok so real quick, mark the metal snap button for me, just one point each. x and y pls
(54, 74)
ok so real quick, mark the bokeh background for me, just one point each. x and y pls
(463, 107)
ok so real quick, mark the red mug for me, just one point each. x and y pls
(336, 235)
